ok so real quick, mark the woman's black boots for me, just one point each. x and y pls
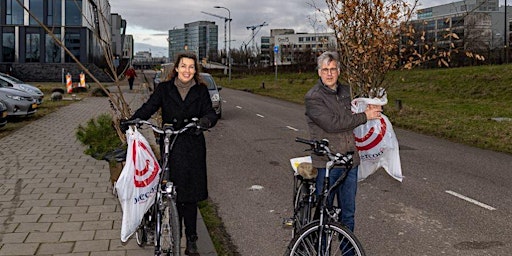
(191, 249)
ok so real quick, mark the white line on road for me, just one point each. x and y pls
(260, 115)
(291, 128)
(239, 107)
(470, 200)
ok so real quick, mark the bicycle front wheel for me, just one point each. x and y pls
(330, 239)
(170, 231)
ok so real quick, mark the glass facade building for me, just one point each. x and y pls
(83, 26)
(201, 37)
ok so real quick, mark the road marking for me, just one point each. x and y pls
(239, 107)
(470, 200)
(291, 128)
(260, 115)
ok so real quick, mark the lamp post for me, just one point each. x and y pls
(229, 40)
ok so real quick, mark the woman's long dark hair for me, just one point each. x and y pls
(189, 55)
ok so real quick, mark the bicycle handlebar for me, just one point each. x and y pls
(321, 147)
(167, 129)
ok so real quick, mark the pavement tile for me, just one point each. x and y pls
(10, 238)
(32, 227)
(65, 226)
(55, 248)
(101, 208)
(99, 225)
(91, 246)
(43, 237)
(44, 210)
(19, 249)
(85, 216)
(89, 202)
(73, 209)
(68, 236)
(63, 202)
(55, 218)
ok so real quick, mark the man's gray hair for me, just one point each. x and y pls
(327, 57)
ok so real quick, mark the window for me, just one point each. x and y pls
(73, 12)
(36, 7)
(32, 49)
(54, 12)
(8, 47)
(52, 53)
(72, 42)
(13, 13)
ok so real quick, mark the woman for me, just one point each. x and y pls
(182, 97)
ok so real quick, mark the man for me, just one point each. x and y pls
(131, 74)
(329, 116)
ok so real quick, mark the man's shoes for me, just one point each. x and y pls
(191, 248)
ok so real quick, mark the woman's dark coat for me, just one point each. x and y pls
(188, 156)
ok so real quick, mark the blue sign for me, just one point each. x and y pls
(276, 48)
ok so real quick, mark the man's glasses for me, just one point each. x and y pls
(329, 70)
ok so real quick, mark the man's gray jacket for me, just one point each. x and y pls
(329, 116)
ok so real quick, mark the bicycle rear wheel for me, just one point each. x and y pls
(335, 239)
(303, 205)
(170, 229)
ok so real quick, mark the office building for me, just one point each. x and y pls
(84, 27)
(480, 26)
(201, 37)
(293, 48)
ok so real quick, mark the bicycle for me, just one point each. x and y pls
(322, 234)
(161, 224)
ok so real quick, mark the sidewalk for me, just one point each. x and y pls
(54, 199)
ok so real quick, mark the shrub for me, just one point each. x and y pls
(99, 135)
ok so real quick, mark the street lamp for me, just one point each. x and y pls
(229, 42)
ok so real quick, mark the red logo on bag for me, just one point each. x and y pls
(362, 142)
(145, 176)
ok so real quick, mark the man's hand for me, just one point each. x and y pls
(373, 112)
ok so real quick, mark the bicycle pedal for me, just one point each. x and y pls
(288, 223)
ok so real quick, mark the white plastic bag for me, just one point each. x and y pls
(376, 142)
(137, 184)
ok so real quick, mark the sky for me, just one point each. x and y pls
(150, 20)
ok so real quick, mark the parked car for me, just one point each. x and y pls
(213, 88)
(3, 114)
(13, 82)
(18, 102)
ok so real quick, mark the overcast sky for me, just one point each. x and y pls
(150, 20)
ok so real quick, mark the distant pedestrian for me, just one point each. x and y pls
(130, 73)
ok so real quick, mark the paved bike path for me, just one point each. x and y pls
(54, 199)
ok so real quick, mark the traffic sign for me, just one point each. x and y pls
(276, 48)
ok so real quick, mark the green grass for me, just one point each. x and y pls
(457, 104)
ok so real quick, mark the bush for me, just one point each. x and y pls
(100, 137)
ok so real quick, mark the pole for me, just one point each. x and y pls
(229, 42)
(225, 40)
(505, 35)
(229, 50)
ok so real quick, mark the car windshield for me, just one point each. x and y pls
(16, 80)
(210, 82)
